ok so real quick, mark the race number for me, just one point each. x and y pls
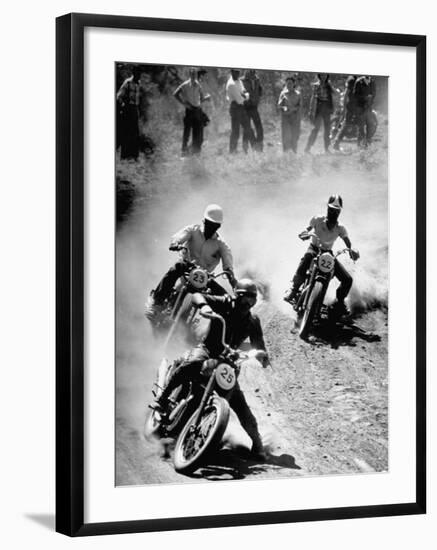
(326, 262)
(198, 278)
(225, 376)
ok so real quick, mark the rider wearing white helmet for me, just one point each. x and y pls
(326, 230)
(204, 246)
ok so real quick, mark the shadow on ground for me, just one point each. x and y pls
(238, 463)
(340, 334)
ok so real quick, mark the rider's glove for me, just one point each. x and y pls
(304, 235)
(354, 254)
(174, 247)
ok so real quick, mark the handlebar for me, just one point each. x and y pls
(260, 355)
(307, 235)
(212, 315)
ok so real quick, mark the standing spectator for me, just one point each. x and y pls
(253, 87)
(321, 107)
(128, 98)
(349, 110)
(237, 95)
(204, 117)
(290, 104)
(364, 94)
(190, 95)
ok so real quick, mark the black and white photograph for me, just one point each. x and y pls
(251, 263)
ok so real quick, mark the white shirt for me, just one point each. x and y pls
(327, 236)
(206, 252)
(235, 91)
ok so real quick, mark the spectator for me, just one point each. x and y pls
(190, 95)
(253, 87)
(349, 110)
(237, 95)
(128, 98)
(290, 104)
(321, 107)
(364, 94)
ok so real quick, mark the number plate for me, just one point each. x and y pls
(225, 376)
(326, 262)
(198, 278)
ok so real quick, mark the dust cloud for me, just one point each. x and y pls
(261, 222)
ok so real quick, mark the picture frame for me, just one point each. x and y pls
(71, 245)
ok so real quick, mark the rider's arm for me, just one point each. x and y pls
(181, 237)
(347, 242)
(304, 234)
(354, 254)
(256, 337)
(209, 303)
(226, 256)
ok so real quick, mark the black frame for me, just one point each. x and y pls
(70, 275)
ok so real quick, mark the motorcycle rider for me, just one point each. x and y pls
(241, 323)
(326, 230)
(205, 247)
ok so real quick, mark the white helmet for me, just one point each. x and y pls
(335, 202)
(214, 213)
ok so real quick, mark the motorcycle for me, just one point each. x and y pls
(310, 298)
(200, 411)
(178, 304)
(181, 403)
(203, 432)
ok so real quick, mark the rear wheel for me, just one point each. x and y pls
(195, 443)
(310, 311)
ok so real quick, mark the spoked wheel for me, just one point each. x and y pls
(196, 442)
(310, 310)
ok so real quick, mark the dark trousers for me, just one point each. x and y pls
(129, 133)
(290, 127)
(323, 114)
(239, 118)
(253, 116)
(347, 120)
(340, 273)
(190, 369)
(193, 125)
(364, 122)
(166, 284)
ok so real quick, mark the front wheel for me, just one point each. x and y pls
(195, 443)
(310, 311)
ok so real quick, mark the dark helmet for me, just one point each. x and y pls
(246, 287)
(335, 202)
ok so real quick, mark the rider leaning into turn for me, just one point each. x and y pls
(326, 230)
(241, 323)
(205, 247)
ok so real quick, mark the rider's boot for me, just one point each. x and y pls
(339, 308)
(291, 296)
(257, 450)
